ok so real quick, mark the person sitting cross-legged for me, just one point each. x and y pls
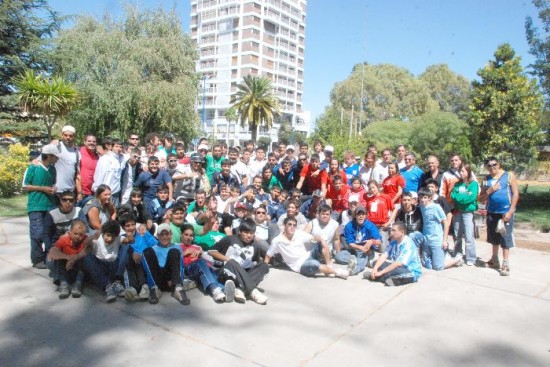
(242, 262)
(400, 264)
(291, 244)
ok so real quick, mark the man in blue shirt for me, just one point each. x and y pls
(400, 263)
(362, 238)
(149, 181)
(411, 173)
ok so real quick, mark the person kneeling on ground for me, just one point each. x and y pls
(66, 259)
(163, 265)
(291, 244)
(400, 263)
(242, 262)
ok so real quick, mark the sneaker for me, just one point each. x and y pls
(229, 291)
(77, 289)
(131, 294)
(154, 295)
(218, 295)
(239, 296)
(144, 292)
(110, 293)
(188, 284)
(119, 288)
(469, 263)
(64, 290)
(258, 297)
(366, 274)
(180, 295)
(493, 263)
(40, 265)
(341, 273)
(460, 260)
(394, 281)
(505, 271)
(351, 264)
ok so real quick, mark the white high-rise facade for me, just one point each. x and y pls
(236, 38)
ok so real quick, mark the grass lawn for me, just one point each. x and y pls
(534, 206)
(13, 207)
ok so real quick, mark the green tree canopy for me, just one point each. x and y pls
(25, 30)
(50, 98)
(540, 44)
(134, 74)
(256, 103)
(451, 91)
(505, 111)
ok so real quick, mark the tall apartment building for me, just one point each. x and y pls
(236, 38)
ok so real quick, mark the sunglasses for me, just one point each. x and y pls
(67, 200)
(172, 160)
(260, 212)
(491, 165)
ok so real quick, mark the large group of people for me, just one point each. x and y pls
(136, 218)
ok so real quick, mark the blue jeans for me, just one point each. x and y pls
(362, 258)
(102, 272)
(463, 224)
(397, 273)
(311, 266)
(200, 272)
(417, 237)
(38, 237)
(433, 256)
(60, 272)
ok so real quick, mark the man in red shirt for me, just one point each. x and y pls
(379, 207)
(88, 163)
(337, 196)
(65, 259)
(312, 178)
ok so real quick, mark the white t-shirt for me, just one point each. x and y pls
(325, 232)
(66, 168)
(293, 251)
(104, 252)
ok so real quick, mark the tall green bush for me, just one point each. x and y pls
(12, 169)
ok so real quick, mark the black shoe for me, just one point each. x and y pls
(153, 297)
(394, 281)
(181, 296)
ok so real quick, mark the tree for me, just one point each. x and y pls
(539, 45)
(51, 98)
(135, 74)
(439, 133)
(25, 29)
(451, 91)
(256, 103)
(505, 111)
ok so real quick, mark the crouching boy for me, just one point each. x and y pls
(163, 265)
(400, 264)
(66, 259)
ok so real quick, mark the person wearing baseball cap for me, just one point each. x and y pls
(68, 164)
(362, 238)
(163, 264)
(39, 181)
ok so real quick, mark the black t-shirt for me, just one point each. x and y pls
(247, 255)
(444, 204)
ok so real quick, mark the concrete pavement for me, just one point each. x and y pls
(459, 316)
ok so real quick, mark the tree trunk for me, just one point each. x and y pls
(254, 132)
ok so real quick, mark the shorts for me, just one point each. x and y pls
(311, 266)
(495, 238)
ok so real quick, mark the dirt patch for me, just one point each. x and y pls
(533, 183)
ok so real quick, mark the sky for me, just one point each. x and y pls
(412, 34)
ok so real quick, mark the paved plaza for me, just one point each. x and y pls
(461, 316)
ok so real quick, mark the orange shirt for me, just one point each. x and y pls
(378, 208)
(65, 244)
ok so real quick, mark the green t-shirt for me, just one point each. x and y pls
(213, 165)
(39, 175)
(176, 233)
(208, 240)
(273, 182)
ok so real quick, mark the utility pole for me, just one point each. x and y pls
(351, 120)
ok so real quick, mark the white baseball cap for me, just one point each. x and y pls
(51, 149)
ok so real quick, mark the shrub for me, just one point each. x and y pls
(12, 169)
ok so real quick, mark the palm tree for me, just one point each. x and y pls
(256, 103)
(48, 97)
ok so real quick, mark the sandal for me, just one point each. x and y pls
(505, 271)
